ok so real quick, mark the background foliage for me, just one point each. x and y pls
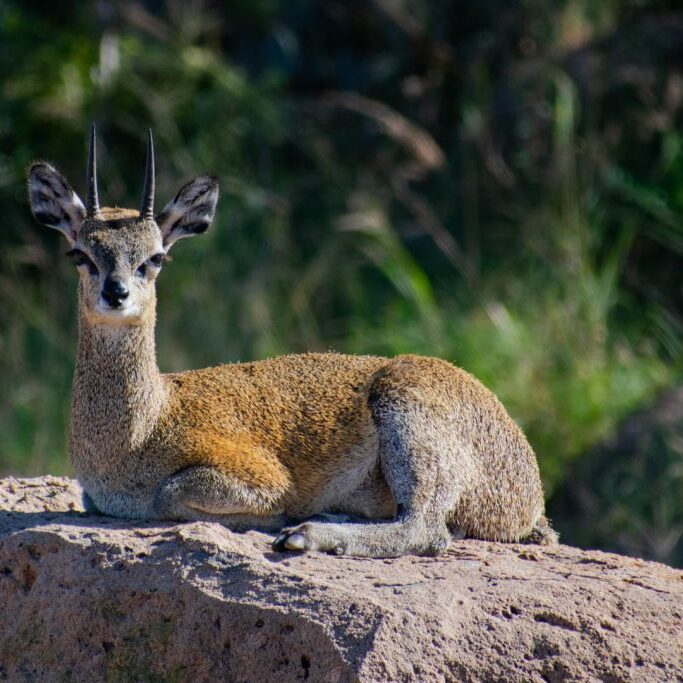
(499, 183)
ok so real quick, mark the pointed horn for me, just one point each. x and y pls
(92, 207)
(147, 206)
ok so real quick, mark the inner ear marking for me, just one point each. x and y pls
(191, 211)
(53, 201)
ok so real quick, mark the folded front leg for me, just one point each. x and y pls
(206, 493)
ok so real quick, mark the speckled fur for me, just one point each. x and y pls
(415, 449)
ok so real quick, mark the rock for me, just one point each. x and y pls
(85, 597)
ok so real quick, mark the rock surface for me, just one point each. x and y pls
(92, 598)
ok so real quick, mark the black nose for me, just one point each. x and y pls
(114, 291)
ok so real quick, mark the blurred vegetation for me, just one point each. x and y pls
(638, 471)
(498, 183)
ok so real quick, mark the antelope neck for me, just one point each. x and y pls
(117, 385)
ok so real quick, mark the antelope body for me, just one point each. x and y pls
(409, 451)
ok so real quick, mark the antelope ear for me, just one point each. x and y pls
(191, 211)
(53, 202)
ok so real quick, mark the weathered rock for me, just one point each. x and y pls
(90, 598)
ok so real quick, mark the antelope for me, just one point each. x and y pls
(350, 455)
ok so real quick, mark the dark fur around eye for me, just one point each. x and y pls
(82, 259)
(159, 259)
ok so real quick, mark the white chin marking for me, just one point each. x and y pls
(122, 314)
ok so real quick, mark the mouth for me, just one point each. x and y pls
(116, 312)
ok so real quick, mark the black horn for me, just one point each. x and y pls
(147, 206)
(92, 208)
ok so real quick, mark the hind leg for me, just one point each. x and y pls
(414, 443)
(406, 535)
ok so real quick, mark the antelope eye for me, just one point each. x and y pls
(80, 258)
(158, 260)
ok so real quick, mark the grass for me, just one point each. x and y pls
(495, 217)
